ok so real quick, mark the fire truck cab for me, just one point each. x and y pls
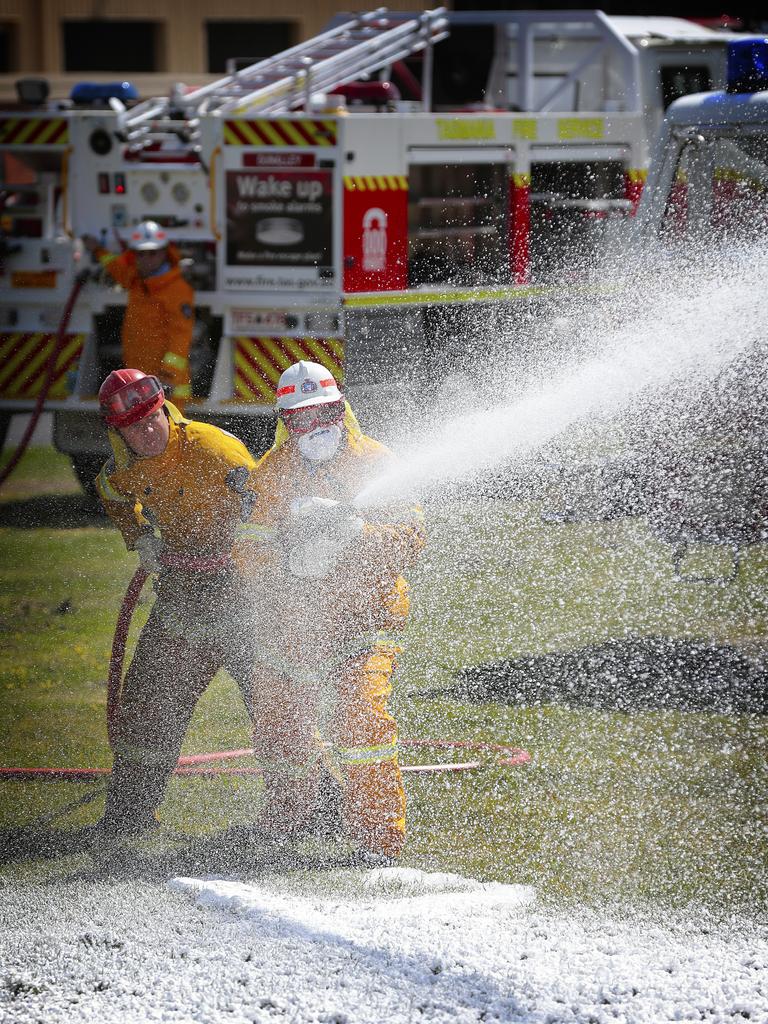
(706, 204)
(387, 198)
(708, 180)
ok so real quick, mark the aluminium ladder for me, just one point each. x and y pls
(353, 50)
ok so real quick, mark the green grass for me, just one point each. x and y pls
(650, 805)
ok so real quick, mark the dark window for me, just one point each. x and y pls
(119, 46)
(462, 62)
(457, 224)
(577, 212)
(7, 49)
(571, 179)
(682, 80)
(245, 42)
(460, 72)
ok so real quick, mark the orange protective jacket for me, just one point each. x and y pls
(195, 494)
(367, 591)
(159, 319)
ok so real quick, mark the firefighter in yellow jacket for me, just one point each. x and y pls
(159, 316)
(177, 490)
(331, 600)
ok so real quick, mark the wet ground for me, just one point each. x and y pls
(637, 673)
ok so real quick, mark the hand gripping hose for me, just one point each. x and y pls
(50, 370)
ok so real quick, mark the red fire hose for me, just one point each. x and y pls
(495, 753)
(50, 371)
(115, 677)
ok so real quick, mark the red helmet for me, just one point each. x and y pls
(127, 396)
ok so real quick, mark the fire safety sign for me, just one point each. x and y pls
(279, 228)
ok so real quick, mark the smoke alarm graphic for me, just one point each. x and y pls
(279, 231)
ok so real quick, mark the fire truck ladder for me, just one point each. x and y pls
(353, 50)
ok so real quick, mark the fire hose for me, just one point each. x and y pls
(50, 371)
(119, 640)
(189, 765)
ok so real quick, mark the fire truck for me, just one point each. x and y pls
(385, 198)
(698, 470)
(707, 194)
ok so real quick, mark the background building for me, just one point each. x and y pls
(154, 43)
(151, 42)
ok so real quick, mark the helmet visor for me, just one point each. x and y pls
(137, 393)
(301, 421)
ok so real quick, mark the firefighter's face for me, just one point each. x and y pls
(149, 436)
(150, 262)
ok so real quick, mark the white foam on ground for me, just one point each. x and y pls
(394, 945)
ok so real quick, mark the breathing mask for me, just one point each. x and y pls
(320, 444)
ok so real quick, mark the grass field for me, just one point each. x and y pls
(646, 803)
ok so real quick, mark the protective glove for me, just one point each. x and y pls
(316, 558)
(322, 530)
(149, 548)
(315, 513)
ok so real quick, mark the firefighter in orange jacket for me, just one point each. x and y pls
(177, 490)
(159, 315)
(329, 587)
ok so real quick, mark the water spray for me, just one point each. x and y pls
(681, 343)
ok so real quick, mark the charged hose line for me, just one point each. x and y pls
(115, 677)
(493, 754)
(194, 764)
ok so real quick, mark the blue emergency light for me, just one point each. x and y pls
(748, 65)
(90, 94)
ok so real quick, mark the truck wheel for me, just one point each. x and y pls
(86, 469)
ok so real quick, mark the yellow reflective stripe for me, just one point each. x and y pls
(179, 362)
(253, 531)
(427, 298)
(362, 645)
(182, 391)
(367, 755)
(106, 258)
(318, 673)
(108, 492)
(580, 127)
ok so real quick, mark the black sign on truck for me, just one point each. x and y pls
(279, 218)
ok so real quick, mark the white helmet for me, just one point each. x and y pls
(148, 237)
(306, 384)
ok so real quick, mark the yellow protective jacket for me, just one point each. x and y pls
(159, 318)
(195, 494)
(367, 591)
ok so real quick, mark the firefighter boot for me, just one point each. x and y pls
(134, 792)
(327, 820)
(290, 800)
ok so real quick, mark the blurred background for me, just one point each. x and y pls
(154, 41)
